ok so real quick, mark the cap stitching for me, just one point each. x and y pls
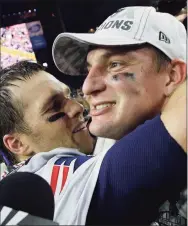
(139, 23)
(145, 23)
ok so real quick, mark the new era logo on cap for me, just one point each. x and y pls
(163, 37)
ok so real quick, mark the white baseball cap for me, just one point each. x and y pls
(128, 26)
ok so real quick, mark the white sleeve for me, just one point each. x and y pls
(103, 144)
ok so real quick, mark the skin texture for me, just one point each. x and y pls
(51, 123)
(131, 82)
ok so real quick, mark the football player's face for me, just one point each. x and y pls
(123, 89)
(54, 119)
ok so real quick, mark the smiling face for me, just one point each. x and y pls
(123, 89)
(54, 119)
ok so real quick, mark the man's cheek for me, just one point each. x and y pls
(129, 89)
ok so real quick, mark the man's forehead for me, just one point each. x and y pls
(39, 86)
(99, 53)
(41, 81)
(107, 52)
(48, 84)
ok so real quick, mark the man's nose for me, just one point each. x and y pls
(94, 82)
(73, 109)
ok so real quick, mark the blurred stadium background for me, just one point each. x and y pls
(29, 27)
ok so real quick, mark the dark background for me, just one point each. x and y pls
(58, 16)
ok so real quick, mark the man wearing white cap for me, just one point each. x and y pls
(134, 62)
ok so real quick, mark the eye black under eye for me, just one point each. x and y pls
(129, 75)
(56, 116)
(116, 77)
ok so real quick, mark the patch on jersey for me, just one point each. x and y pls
(55, 172)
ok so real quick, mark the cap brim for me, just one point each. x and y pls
(70, 50)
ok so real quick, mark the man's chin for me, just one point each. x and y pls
(96, 130)
(106, 131)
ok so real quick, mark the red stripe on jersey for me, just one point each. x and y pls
(54, 177)
(65, 174)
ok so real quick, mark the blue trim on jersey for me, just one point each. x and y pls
(67, 161)
(80, 160)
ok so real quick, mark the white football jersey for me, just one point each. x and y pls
(73, 190)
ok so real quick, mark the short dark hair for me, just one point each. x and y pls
(11, 111)
(161, 61)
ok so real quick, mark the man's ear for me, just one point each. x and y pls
(13, 143)
(177, 75)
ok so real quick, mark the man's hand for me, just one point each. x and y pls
(174, 116)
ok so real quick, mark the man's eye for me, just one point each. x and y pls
(114, 64)
(56, 106)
